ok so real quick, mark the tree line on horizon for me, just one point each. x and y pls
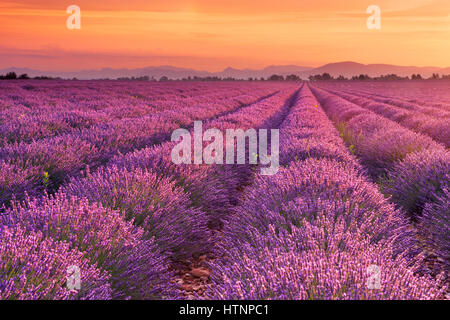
(292, 77)
(14, 76)
(362, 77)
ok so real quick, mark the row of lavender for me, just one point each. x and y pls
(436, 128)
(34, 110)
(410, 167)
(117, 108)
(45, 164)
(314, 230)
(210, 187)
(122, 224)
(426, 94)
(423, 108)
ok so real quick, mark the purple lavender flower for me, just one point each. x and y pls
(418, 179)
(151, 202)
(138, 268)
(33, 267)
(435, 225)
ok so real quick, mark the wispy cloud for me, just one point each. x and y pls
(211, 34)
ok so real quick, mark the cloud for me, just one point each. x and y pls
(215, 33)
(65, 60)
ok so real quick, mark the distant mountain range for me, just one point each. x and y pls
(346, 69)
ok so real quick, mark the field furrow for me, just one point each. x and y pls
(174, 208)
(438, 129)
(312, 230)
(45, 164)
(409, 167)
(422, 108)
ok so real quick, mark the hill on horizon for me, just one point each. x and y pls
(347, 69)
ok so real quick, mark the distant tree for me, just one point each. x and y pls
(292, 77)
(321, 77)
(341, 78)
(46, 78)
(143, 78)
(435, 76)
(363, 77)
(326, 77)
(416, 77)
(390, 77)
(11, 75)
(276, 77)
(24, 76)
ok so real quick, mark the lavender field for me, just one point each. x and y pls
(359, 207)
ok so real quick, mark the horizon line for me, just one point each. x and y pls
(225, 68)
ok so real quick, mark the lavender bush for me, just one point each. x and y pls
(33, 267)
(417, 179)
(434, 225)
(151, 202)
(137, 267)
(311, 232)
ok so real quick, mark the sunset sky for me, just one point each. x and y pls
(214, 34)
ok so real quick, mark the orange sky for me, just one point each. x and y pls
(214, 34)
